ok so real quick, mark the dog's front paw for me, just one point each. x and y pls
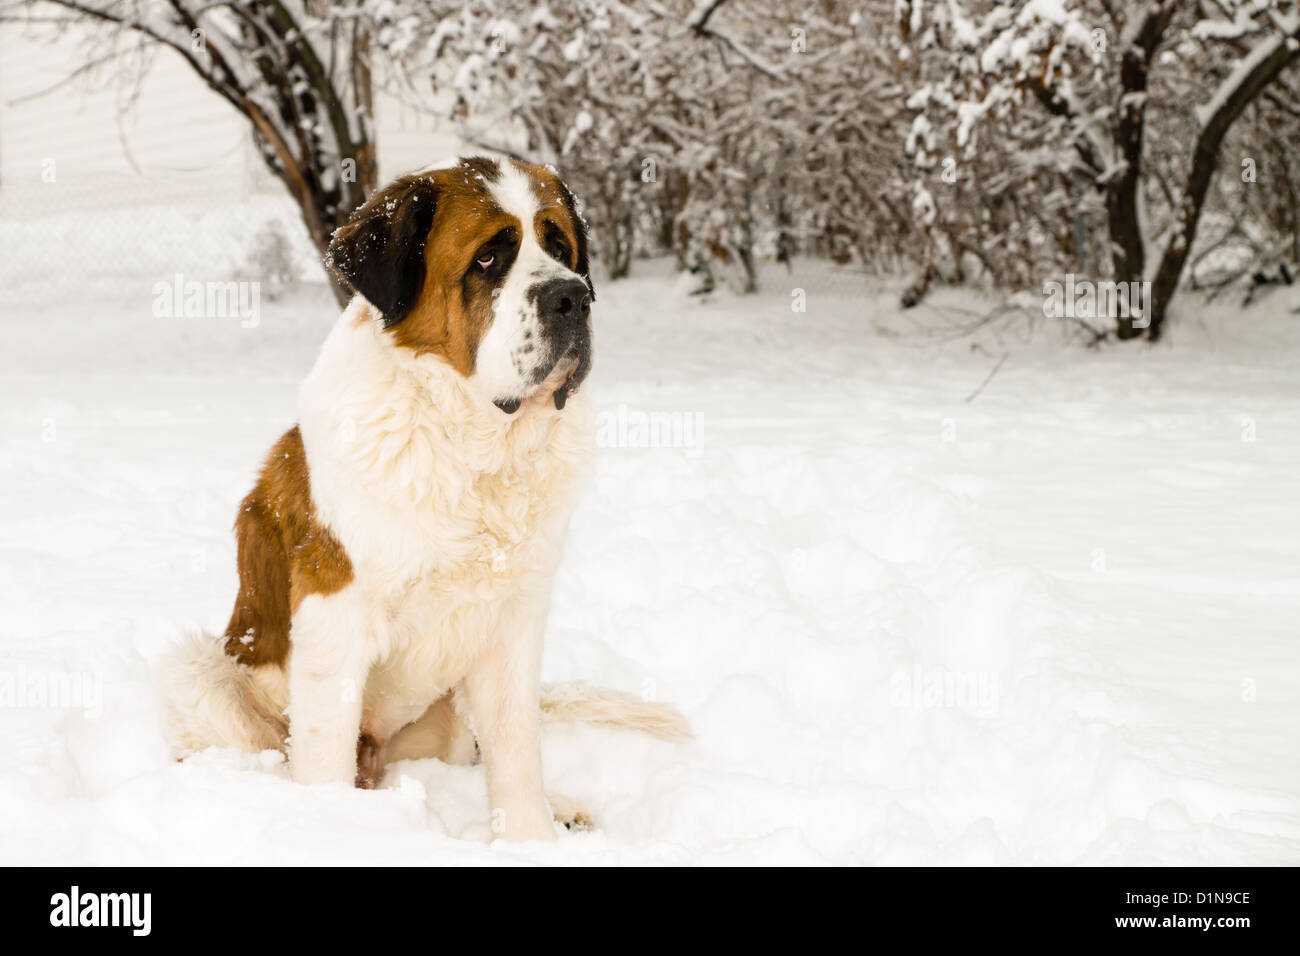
(569, 814)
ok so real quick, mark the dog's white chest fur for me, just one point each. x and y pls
(450, 511)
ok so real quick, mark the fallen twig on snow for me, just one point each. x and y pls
(988, 378)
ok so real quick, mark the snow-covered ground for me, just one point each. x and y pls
(1054, 624)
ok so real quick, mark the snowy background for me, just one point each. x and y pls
(959, 583)
(1097, 555)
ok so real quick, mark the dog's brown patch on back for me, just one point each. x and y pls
(285, 554)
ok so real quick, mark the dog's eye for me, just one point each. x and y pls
(560, 251)
(485, 262)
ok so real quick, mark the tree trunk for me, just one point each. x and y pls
(1123, 193)
(1266, 64)
(621, 263)
(312, 217)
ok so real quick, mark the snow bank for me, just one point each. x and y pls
(1052, 625)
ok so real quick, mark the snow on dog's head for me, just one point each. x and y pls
(483, 263)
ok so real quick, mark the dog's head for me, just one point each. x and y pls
(483, 263)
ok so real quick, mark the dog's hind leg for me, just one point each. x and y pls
(440, 732)
(369, 762)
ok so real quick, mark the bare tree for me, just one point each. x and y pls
(298, 71)
(1110, 75)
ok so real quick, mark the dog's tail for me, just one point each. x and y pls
(209, 699)
(610, 708)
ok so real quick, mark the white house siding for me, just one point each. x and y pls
(149, 179)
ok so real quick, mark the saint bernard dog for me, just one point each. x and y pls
(397, 552)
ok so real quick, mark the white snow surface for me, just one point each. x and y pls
(1054, 624)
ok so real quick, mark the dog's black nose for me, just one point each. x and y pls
(564, 301)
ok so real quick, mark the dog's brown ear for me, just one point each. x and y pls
(580, 230)
(380, 252)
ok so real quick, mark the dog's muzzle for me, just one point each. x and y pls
(564, 308)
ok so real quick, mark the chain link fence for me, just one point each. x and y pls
(63, 233)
